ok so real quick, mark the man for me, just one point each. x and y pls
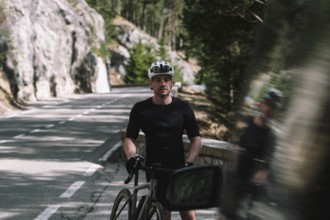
(163, 119)
(257, 145)
(258, 140)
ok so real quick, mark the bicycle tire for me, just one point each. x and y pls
(156, 211)
(120, 209)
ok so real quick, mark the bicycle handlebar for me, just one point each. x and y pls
(135, 168)
(154, 169)
(129, 178)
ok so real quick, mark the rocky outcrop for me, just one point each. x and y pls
(129, 35)
(49, 48)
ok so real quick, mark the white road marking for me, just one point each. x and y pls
(9, 116)
(49, 126)
(48, 212)
(19, 136)
(91, 170)
(109, 152)
(72, 189)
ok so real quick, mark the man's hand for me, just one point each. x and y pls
(135, 160)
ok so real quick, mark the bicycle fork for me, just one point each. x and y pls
(124, 206)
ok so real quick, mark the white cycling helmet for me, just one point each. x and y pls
(274, 95)
(160, 68)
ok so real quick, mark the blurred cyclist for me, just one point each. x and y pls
(257, 145)
(258, 140)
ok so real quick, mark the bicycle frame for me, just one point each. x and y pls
(150, 197)
(136, 189)
(178, 194)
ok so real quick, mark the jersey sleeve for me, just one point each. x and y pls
(133, 127)
(191, 124)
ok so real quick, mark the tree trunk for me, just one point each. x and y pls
(130, 10)
(161, 25)
(142, 25)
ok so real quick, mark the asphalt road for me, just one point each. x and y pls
(52, 155)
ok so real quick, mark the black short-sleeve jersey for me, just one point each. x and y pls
(258, 143)
(163, 126)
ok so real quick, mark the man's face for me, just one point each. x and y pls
(266, 109)
(161, 84)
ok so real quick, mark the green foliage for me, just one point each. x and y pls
(159, 19)
(141, 57)
(163, 51)
(103, 7)
(178, 76)
(103, 51)
(164, 54)
(72, 2)
(221, 35)
(4, 37)
(3, 50)
(282, 81)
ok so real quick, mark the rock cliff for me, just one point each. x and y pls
(49, 48)
(129, 35)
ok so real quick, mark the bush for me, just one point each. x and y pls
(141, 56)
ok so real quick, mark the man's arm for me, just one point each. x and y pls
(194, 150)
(129, 147)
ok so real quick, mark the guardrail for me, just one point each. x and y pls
(214, 152)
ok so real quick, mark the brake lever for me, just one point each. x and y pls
(131, 174)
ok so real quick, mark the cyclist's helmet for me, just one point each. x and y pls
(160, 68)
(274, 96)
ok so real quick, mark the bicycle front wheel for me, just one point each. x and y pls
(122, 206)
(156, 211)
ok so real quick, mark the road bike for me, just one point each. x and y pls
(255, 189)
(126, 206)
(194, 187)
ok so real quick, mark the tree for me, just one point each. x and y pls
(163, 53)
(159, 18)
(141, 56)
(221, 35)
(105, 9)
